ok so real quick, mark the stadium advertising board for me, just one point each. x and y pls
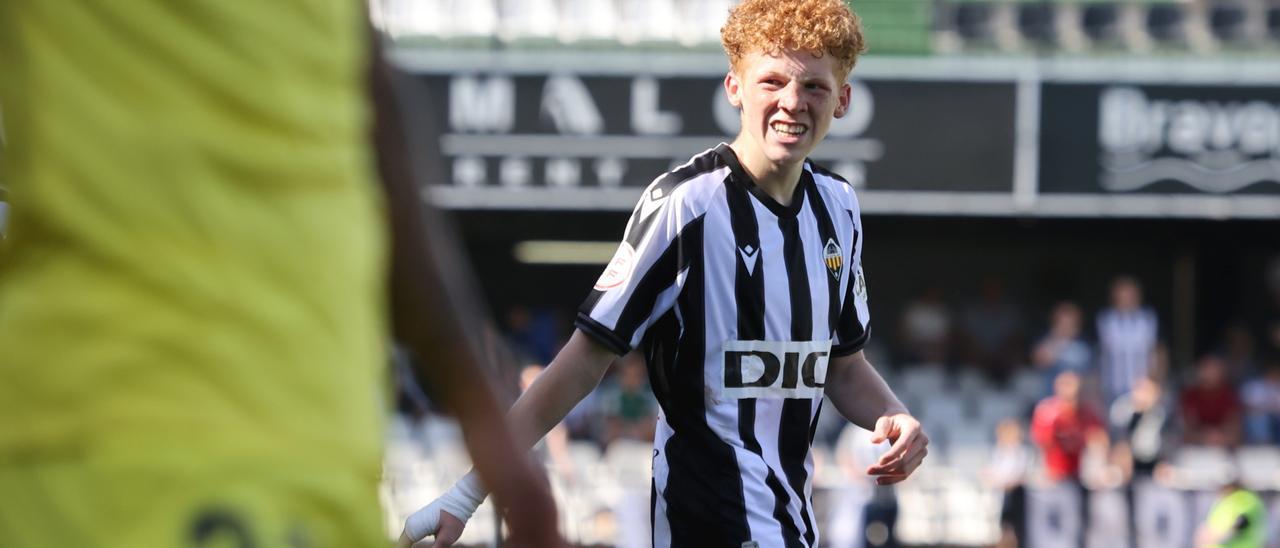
(1129, 138)
(1153, 515)
(561, 131)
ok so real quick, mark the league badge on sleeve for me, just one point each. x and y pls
(832, 257)
(619, 268)
(860, 285)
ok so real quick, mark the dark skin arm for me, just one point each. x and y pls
(429, 312)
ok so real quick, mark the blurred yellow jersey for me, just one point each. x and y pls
(194, 271)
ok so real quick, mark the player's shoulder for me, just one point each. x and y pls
(704, 168)
(693, 182)
(834, 186)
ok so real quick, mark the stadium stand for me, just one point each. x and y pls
(892, 26)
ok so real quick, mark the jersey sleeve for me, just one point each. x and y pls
(643, 279)
(853, 328)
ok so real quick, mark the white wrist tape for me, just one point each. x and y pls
(460, 502)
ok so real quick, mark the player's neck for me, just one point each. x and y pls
(777, 180)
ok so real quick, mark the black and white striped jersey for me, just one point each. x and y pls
(738, 302)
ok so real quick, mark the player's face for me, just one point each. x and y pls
(787, 101)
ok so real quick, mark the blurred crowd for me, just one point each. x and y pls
(1093, 400)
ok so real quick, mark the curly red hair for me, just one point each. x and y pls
(823, 27)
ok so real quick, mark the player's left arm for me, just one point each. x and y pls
(862, 396)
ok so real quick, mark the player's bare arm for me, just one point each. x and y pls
(574, 373)
(424, 319)
(862, 396)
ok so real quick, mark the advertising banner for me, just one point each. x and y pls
(571, 131)
(1160, 139)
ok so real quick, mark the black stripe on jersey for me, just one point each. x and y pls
(827, 231)
(793, 429)
(749, 296)
(852, 336)
(703, 475)
(660, 276)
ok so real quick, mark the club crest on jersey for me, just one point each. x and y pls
(619, 268)
(833, 258)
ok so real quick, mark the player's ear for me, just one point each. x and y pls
(843, 99)
(733, 89)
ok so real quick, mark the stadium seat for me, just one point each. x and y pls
(647, 21)
(1228, 21)
(1273, 21)
(922, 380)
(1259, 467)
(1203, 467)
(630, 462)
(1036, 23)
(973, 21)
(467, 20)
(700, 20)
(993, 406)
(1165, 24)
(972, 513)
(967, 460)
(588, 20)
(1100, 23)
(1029, 385)
(528, 20)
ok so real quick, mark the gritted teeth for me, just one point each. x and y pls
(789, 128)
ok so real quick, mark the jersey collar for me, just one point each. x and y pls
(741, 177)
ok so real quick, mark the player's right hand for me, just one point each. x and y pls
(447, 531)
(446, 516)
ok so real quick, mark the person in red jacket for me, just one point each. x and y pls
(1061, 426)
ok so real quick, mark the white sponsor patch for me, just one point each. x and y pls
(773, 369)
(619, 269)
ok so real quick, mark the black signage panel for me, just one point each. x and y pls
(1159, 139)
(574, 131)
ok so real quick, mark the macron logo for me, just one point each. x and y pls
(750, 256)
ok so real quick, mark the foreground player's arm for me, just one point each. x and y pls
(862, 396)
(425, 319)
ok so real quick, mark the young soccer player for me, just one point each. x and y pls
(740, 278)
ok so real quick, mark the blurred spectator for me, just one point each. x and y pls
(925, 330)
(992, 331)
(1238, 351)
(1210, 406)
(1140, 423)
(1127, 336)
(1007, 472)
(533, 333)
(630, 409)
(1063, 348)
(1061, 425)
(1261, 397)
(1102, 465)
